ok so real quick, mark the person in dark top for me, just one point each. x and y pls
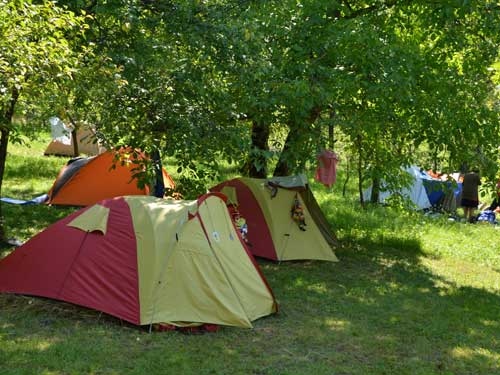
(470, 197)
(496, 202)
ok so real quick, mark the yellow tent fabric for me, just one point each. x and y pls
(239, 270)
(87, 144)
(95, 218)
(230, 193)
(194, 269)
(290, 242)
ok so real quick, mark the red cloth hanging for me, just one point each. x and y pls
(326, 172)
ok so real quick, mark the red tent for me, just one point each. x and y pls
(145, 260)
(272, 231)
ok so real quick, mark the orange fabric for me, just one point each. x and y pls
(97, 181)
(167, 180)
(433, 174)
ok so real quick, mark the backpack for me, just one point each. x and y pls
(487, 216)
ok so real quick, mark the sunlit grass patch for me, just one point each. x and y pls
(463, 352)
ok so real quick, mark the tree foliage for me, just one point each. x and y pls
(36, 56)
(251, 81)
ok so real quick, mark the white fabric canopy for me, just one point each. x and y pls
(416, 192)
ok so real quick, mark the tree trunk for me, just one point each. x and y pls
(347, 175)
(376, 180)
(74, 138)
(282, 168)
(4, 142)
(158, 188)
(360, 182)
(375, 190)
(256, 164)
(287, 159)
(331, 132)
(360, 172)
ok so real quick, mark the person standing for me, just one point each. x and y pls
(496, 201)
(470, 196)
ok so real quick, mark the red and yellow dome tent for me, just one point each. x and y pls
(145, 260)
(266, 205)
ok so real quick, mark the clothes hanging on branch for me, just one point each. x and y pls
(326, 172)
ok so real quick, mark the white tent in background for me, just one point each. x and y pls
(415, 192)
(59, 131)
(62, 144)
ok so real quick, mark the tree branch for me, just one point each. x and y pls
(369, 9)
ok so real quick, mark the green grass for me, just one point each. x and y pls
(410, 295)
(29, 174)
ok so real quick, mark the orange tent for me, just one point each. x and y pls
(85, 181)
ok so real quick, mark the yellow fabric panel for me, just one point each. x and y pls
(194, 287)
(95, 218)
(290, 242)
(180, 278)
(156, 222)
(230, 193)
(248, 285)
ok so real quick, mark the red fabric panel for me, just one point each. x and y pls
(201, 198)
(259, 235)
(89, 269)
(104, 276)
(41, 264)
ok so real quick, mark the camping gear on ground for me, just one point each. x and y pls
(198, 329)
(272, 231)
(85, 181)
(487, 216)
(62, 143)
(424, 191)
(415, 192)
(37, 200)
(450, 201)
(145, 260)
(443, 193)
(326, 172)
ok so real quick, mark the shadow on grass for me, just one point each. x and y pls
(24, 221)
(383, 309)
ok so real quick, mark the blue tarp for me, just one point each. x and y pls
(436, 189)
(36, 200)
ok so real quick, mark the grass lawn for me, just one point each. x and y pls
(410, 295)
